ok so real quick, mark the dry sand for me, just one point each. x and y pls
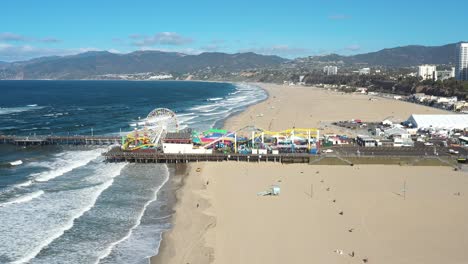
(220, 219)
(309, 107)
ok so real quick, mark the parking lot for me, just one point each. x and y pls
(419, 150)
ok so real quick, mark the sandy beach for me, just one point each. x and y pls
(309, 107)
(324, 214)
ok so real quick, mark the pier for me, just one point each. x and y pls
(117, 155)
(338, 158)
(59, 140)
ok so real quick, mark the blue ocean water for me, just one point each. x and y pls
(64, 204)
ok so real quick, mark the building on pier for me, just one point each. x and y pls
(182, 143)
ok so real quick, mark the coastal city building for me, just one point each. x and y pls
(427, 72)
(161, 77)
(461, 69)
(330, 70)
(364, 71)
(445, 75)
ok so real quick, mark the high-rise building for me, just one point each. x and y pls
(330, 70)
(427, 72)
(461, 69)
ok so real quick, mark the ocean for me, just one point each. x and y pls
(64, 204)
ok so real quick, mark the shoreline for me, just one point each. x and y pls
(219, 219)
(178, 174)
(190, 217)
(221, 123)
(165, 252)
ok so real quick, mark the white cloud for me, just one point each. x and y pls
(50, 40)
(116, 51)
(12, 37)
(353, 48)
(212, 48)
(188, 51)
(161, 38)
(8, 36)
(280, 50)
(11, 53)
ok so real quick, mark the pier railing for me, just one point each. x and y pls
(152, 156)
(116, 155)
(59, 140)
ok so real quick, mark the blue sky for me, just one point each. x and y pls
(293, 28)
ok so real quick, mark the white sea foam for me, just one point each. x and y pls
(216, 113)
(58, 213)
(109, 249)
(13, 110)
(23, 199)
(207, 107)
(65, 162)
(186, 114)
(215, 99)
(186, 118)
(24, 184)
(206, 115)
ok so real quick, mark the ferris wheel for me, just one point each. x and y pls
(160, 121)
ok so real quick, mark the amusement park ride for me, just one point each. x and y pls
(156, 125)
(160, 132)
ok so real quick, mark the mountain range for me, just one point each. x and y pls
(89, 65)
(398, 57)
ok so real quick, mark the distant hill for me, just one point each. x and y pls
(397, 57)
(89, 64)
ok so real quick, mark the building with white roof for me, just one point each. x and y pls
(448, 122)
(364, 71)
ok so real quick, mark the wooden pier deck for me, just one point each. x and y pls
(153, 156)
(59, 140)
(117, 155)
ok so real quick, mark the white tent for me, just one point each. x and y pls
(439, 121)
(396, 131)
